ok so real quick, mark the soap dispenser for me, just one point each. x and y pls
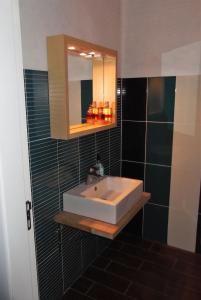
(99, 166)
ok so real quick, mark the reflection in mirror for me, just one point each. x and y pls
(91, 89)
(79, 88)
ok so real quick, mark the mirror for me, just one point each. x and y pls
(80, 91)
(82, 87)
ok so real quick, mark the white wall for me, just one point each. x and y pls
(160, 37)
(91, 20)
(186, 164)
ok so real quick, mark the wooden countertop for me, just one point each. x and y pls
(97, 227)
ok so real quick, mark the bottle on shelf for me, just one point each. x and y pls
(95, 111)
(89, 116)
(107, 112)
(101, 116)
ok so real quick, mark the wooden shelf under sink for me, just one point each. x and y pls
(97, 227)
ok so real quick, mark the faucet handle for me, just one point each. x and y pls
(93, 170)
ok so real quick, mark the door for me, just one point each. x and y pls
(18, 276)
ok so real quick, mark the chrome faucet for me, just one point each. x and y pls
(96, 172)
(92, 175)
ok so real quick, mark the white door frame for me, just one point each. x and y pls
(18, 276)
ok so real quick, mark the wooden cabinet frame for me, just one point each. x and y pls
(58, 87)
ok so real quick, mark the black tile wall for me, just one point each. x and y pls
(50, 276)
(103, 148)
(133, 141)
(57, 166)
(36, 83)
(134, 99)
(198, 241)
(157, 182)
(161, 97)
(155, 222)
(133, 170)
(135, 225)
(147, 134)
(68, 165)
(159, 143)
(87, 149)
(200, 200)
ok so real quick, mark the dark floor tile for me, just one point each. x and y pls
(133, 141)
(162, 260)
(134, 240)
(148, 279)
(122, 258)
(134, 98)
(175, 279)
(159, 143)
(111, 281)
(82, 285)
(141, 292)
(74, 295)
(188, 269)
(183, 255)
(157, 183)
(133, 170)
(161, 99)
(101, 292)
(182, 294)
(155, 223)
(189, 282)
(101, 262)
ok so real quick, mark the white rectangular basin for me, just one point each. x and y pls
(107, 200)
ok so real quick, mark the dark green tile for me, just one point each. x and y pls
(37, 104)
(68, 160)
(161, 99)
(198, 242)
(159, 143)
(88, 249)
(155, 223)
(101, 244)
(133, 170)
(134, 99)
(115, 170)
(115, 145)
(158, 183)
(50, 277)
(103, 148)
(133, 144)
(72, 258)
(87, 150)
(135, 225)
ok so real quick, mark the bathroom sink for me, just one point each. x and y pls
(108, 200)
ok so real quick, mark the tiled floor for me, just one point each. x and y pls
(139, 269)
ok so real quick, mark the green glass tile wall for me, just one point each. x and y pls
(147, 135)
(198, 241)
(57, 166)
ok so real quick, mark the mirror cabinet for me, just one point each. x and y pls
(82, 87)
